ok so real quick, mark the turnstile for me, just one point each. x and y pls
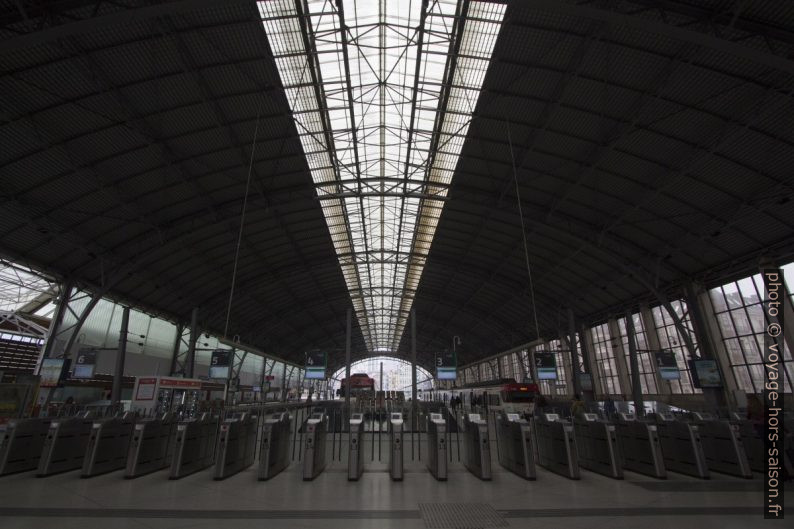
(396, 470)
(355, 455)
(597, 445)
(722, 445)
(151, 446)
(108, 445)
(437, 446)
(274, 449)
(194, 445)
(516, 445)
(557, 445)
(316, 429)
(752, 441)
(477, 453)
(236, 446)
(681, 446)
(22, 444)
(640, 447)
(65, 446)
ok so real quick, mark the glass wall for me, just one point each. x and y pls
(670, 338)
(644, 360)
(605, 363)
(738, 306)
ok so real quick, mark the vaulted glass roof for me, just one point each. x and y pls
(382, 93)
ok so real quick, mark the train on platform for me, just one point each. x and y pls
(497, 395)
(358, 382)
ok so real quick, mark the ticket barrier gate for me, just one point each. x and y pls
(723, 445)
(194, 445)
(151, 447)
(597, 445)
(355, 454)
(516, 445)
(65, 445)
(477, 453)
(237, 445)
(274, 449)
(314, 448)
(557, 445)
(437, 446)
(396, 470)
(752, 441)
(640, 446)
(681, 446)
(108, 445)
(22, 444)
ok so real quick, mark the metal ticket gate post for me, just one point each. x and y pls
(194, 445)
(681, 446)
(557, 445)
(640, 446)
(752, 441)
(108, 445)
(437, 446)
(314, 460)
(396, 470)
(723, 446)
(151, 446)
(22, 444)
(355, 456)
(274, 448)
(516, 445)
(236, 445)
(597, 445)
(65, 446)
(478, 447)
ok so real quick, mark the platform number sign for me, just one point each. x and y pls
(668, 368)
(546, 365)
(220, 363)
(85, 364)
(316, 364)
(446, 366)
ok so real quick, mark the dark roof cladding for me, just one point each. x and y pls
(653, 142)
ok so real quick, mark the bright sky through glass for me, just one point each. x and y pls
(382, 109)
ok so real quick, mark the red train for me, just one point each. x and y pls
(358, 381)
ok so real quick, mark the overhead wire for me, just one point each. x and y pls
(242, 220)
(523, 233)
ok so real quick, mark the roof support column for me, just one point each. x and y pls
(118, 373)
(706, 329)
(190, 361)
(636, 387)
(574, 357)
(619, 354)
(652, 337)
(348, 339)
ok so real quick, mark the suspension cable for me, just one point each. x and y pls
(242, 220)
(523, 233)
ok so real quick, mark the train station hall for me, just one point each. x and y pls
(396, 264)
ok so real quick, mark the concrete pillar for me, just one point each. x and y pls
(118, 373)
(619, 354)
(654, 344)
(190, 360)
(636, 387)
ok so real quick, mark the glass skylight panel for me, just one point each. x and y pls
(382, 144)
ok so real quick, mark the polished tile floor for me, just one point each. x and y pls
(330, 501)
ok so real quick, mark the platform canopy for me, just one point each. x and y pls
(650, 142)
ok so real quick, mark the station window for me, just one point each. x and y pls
(605, 363)
(738, 306)
(644, 360)
(670, 338)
